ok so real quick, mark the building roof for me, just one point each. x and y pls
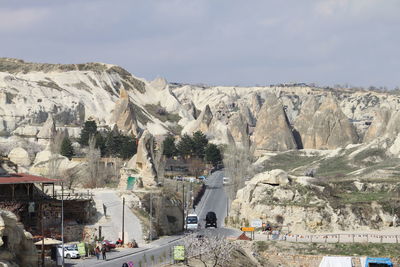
(23, 178)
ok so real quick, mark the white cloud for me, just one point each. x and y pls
(12, 20)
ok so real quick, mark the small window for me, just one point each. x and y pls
(191, 219)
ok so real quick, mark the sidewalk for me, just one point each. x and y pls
(121, 252)
(112, 255)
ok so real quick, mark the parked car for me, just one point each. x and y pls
(109, 244)
(71, 252)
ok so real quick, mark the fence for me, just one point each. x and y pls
(71, 195)
(335, 238)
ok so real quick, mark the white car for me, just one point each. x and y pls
(71, 252)
(226, 180)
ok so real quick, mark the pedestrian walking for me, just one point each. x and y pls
(103, 252)
(97, 252)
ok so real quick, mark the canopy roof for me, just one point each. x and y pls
(23, 178)
(49, 241)
(386, 261)
(330, 261)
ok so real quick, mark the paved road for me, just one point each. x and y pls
(112, 224)
(214, 199)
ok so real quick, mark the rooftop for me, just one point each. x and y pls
(23, 178)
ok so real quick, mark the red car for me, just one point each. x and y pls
(108, 244)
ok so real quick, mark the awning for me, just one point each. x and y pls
(331, 261)
(49, 241)
(385, 261)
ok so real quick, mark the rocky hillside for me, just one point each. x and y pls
(348, 140)
(354, 188)
(30, 93)
(276, 118)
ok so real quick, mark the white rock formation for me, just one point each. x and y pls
(239, 128)
(73, 93)
(20, 157)
(143, 160)
(20, 249)
(280, 199)
(123, 115)
(49, 164)
(202, 123)
(328, 128)
(272, 131)
(274, 177)
(48, 129)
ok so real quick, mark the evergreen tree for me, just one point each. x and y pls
(90, 128)
(66, 148)
(200, 142)
(169, 146)
(119, 145)
(128, 147)
(112, 143)
(213, 154)
(185, 146)
(101, 143)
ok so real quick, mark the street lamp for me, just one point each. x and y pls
(62, 222)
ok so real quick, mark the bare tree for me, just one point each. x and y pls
(54, 160)
(95, 177)
(394, 200)
(70, 176)
(159, 160)
(238, 166)
(211, 250)
(196, 167)
(56, 141)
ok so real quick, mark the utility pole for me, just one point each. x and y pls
(42, 215)
(190, 195)
(227, 206)
(151, 217)
(62, 222)
(123, 220)
(183, 206)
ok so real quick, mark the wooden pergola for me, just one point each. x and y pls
(14, 181)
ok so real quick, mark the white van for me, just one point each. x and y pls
(192, 222)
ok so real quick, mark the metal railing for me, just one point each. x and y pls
(334, 238)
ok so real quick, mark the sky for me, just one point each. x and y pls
(215, 42)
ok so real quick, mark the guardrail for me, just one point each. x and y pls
(334, 238)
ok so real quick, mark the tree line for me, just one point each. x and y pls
(196, 145)
(111, 143)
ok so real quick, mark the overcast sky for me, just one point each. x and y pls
(218, 42)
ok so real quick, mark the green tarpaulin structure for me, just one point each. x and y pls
(131, 182)
(82, 249)
(179, 253)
